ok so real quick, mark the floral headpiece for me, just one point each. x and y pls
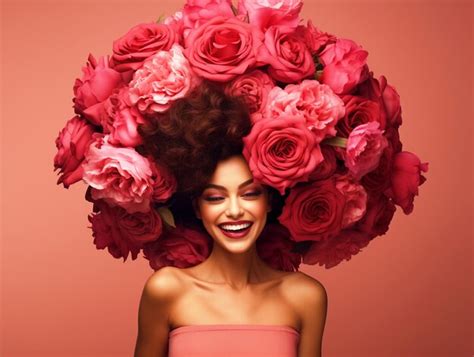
(325, 133)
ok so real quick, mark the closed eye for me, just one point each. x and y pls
(218, 198)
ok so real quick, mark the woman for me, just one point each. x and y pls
(233, 302)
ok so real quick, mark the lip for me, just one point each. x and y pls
(236, 235)
(235, 222)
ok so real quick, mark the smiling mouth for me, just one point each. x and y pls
(239, 233)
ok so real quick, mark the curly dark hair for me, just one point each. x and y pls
(192, 136)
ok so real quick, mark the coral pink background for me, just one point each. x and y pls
(409, 293)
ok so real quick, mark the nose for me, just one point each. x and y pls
(234, 209)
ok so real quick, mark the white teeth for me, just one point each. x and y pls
(236, 227)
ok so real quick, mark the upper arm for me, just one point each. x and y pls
(153, 316)
(312, 306)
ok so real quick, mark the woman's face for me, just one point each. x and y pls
(231, 196)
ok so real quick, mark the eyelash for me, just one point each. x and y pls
(213, 199)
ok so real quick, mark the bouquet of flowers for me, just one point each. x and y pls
(325, 133)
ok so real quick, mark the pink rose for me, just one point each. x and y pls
(198, 12)
(263, 13)
(384, 94)
(181, 247)
(364, 148)
(356, 199)
(72, 143)
(121, 232)
(344, 65)
(164, 183)
(276, 248)
(120, 119)
(254, 88)
(380, 211)
(97, 83)
(223, 48)
(163, 78)
(281, 152)
(288, 56)
(141, 42)
(316, 102)
(406, 177)
(314, 38)
(359, 111)
(313, 211)
(331, 252)
(119, 176)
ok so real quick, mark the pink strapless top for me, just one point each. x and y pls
(233, 340)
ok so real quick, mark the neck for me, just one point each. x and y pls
(232, 269)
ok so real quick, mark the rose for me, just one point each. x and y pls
(316, 102)
(181, 247)
(97, 83)
(380, 211)
(313, 211)
(263, 13)
(72, 142)
(384, 94)
(120, 119)
(356, 199)
(314, 38)
(327, 167)
(359, 111)
(378, 180)
(254, 88)
(198, 12)
(275, 247)
(286, 53)
(281, 152)
(333, 251)
(165, 183)
(344, 65)
(223, 48)
(141, 42)
(163, 78)
(364, 148)
(406, 177)
(121, 232)
(119, 176)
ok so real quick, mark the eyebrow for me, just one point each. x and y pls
(211, 185)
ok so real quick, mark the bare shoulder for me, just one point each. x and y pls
(310, 300)
(164, 284)
(303, 288)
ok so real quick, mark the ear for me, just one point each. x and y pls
(196, 208)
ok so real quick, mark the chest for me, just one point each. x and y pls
(203, 305)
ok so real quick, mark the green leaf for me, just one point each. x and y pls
(167, 216)
(336, 141)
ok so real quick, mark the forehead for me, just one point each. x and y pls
(231, 172)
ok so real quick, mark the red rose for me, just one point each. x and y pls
(72, 143)
(333, 251)
(275, 247)
(223, 48)
(327, 167)
(281, 152)
(121, 232)
(164, 182)
(359, 111)
(288, 56)
(344, 64)
(180, 247)
(141, 42)
(380, 211)
(383, 93)
(406, 177)
(314, 211)
(314, 38)
(98, 82)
